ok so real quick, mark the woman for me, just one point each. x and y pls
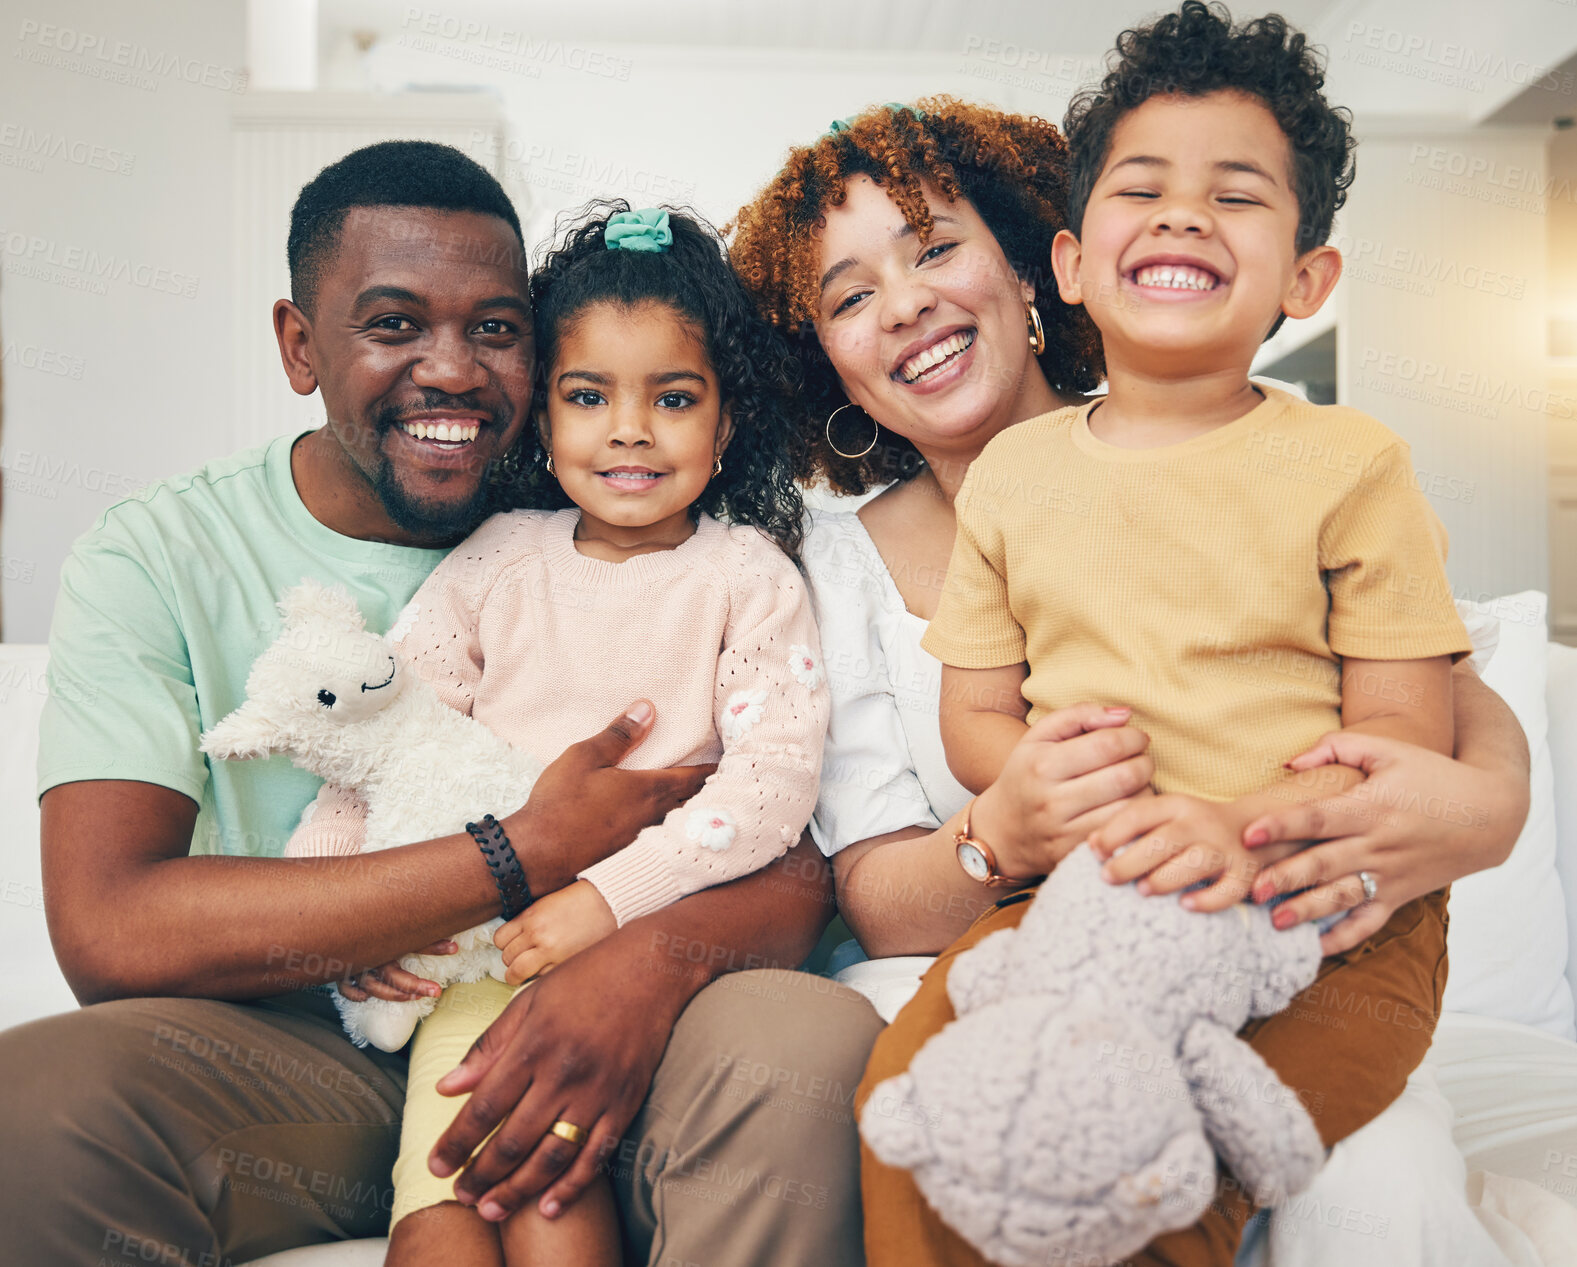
(907, 251)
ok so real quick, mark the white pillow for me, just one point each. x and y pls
(1508, 925)
(1561, 699)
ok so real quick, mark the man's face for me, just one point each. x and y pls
(421, 345)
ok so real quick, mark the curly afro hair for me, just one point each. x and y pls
(1197, 51)
(757, 374)
(1011, 168)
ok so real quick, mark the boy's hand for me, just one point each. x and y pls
(1173, 841)
(552, 929)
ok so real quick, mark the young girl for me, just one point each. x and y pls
(664, 400)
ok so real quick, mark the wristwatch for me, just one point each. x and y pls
(975, 856)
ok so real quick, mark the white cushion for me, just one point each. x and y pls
(1508, 938)
(36, 987)
(1561, 694)
(1514, 1091)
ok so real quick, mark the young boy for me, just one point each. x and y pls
(1253, 570)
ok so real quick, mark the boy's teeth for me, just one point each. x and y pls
(934, 355)
(450, 433)
(1175, 277)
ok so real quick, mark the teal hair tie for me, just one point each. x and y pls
(843, 125)
(645, 230)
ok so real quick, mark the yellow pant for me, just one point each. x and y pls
(440, 1044)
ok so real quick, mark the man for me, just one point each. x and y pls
(204, 1106)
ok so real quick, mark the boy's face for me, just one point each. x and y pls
(1186, 254)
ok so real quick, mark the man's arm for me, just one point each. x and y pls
(551, 1056)
(130, 913)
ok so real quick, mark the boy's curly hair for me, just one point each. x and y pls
(1197, 51)
(756, 371)
(1011, 168)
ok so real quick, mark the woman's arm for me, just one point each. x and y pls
(904, 893)
(1418, 821)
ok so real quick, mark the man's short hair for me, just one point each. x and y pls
(1197, 51)
(388, 174)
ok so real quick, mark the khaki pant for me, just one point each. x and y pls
(195, 1133)
(1346, 1045)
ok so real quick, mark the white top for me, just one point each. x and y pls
(883, 767)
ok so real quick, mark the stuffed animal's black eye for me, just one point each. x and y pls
(326, 698)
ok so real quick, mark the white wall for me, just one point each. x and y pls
(114, 264)
(1441, 335)
(110, 383)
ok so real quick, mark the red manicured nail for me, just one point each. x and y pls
(1283, 918)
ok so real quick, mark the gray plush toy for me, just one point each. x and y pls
(1074, 1110)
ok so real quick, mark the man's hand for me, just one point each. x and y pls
(552, 929)
(580, 1045)
(1172, 842)
(584, 808)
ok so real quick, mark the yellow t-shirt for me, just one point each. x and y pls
(1211, 585)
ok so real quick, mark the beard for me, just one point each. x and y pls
(427, 516)
(438, 518)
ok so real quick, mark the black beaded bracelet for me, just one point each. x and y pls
(513, 891)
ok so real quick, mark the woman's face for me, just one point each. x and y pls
(930, 339)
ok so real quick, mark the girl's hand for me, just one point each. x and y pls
(552, 929)
(1419, 821)
(392, 982)
(1072, 771)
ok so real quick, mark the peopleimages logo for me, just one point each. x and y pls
(119, 61)
(84, 268)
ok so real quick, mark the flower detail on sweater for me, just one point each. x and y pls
(743, 710)
(404, 622)
(711, 828)
(804, 666)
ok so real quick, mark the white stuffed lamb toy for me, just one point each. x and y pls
(337, 699)
(1074, 1109)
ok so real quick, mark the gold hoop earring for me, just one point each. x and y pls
(717, 466)
(1037, 332)
(550, 464)
(852, 457)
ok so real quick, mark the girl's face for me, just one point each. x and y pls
(634, 421)
(930, 339)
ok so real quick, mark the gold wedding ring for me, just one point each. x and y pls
(568, 1131)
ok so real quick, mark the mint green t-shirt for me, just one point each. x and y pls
(164, 605)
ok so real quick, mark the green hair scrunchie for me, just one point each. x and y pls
(645, 230)
(843, 125)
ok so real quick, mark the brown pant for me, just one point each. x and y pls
(1346, 1045)
(194, 1133)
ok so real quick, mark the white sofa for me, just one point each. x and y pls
(1504, 1058)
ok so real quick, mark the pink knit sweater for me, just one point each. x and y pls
(546, 646)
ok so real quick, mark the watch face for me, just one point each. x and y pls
(974, 862)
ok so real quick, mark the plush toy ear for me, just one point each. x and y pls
(244, 735)
(895, 1125)
(312, 602)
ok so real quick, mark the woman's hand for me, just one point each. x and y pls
(1071, 772)
(1418, 821)
(553, 929)
(581, 1046)
(392, 982)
